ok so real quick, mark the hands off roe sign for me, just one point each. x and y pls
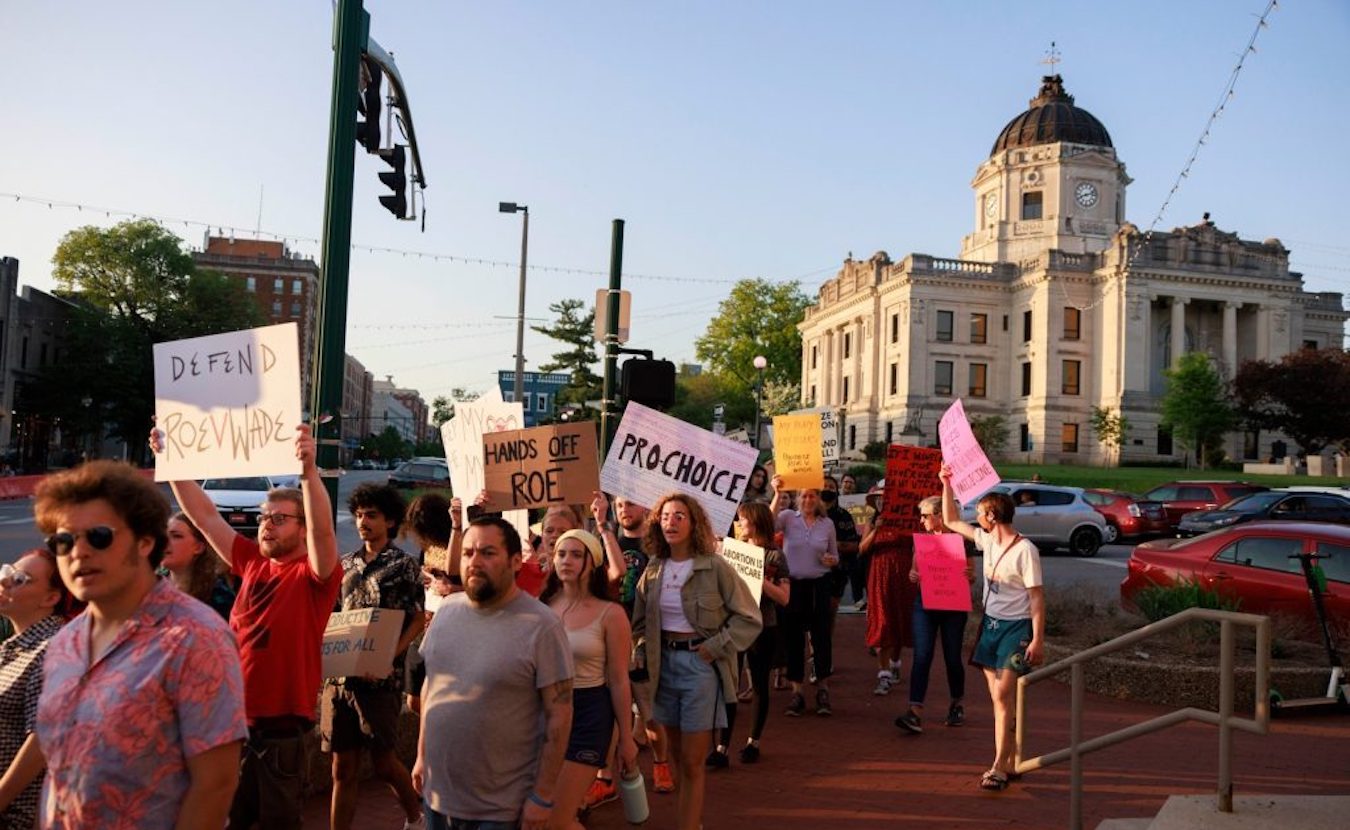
(227, 404)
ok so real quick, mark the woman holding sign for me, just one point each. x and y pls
(691, 616)
(812, 550)
(598, 633)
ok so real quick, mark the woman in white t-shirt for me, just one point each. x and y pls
(1012, 633)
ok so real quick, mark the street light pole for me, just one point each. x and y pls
(760, 363)
(512, 207)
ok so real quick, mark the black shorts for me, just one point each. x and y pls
(592, 726)
(351, 719)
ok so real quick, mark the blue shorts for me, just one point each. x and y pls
(1002, 645)
(688, 693)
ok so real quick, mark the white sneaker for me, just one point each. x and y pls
(883, 684)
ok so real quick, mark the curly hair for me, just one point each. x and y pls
(133, 497)
(429, 517)
(206, 567)
(701, 536)
(381, 497)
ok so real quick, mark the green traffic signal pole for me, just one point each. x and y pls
(351, 28)
(608, 406)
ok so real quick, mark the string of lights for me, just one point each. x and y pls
(286, 238)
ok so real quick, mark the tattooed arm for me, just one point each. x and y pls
(557, 700)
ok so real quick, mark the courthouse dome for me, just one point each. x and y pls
(1052, 117)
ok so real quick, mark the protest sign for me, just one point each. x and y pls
(797, 451)
(542, 466)
(360, 643)
(227, 405)
(911, 477)
(972, 473)
(462, 436)
(654, 454)
(858, 508)
(748, 560)
(941, 561)
(829, 431)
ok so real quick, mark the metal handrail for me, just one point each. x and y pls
(1223, 718)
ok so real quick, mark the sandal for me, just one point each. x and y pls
(994, 781)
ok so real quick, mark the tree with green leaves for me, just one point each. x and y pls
(576, 331)
(1111, 428)
(1196, 405)
(443, 407)
(757, 318)
(1276, 395)
(991, 431)
(135, 286)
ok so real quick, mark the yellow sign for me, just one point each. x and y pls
(796, 451)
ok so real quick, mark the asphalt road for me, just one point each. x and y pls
(1101, 573)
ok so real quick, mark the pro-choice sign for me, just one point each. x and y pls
(654, 454)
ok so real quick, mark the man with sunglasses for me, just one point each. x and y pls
(290, 584)
(141, 714)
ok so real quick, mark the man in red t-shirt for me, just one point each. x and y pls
(290, 584)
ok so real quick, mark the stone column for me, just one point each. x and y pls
(827, 368)
(1230, 338)
(1178, 328)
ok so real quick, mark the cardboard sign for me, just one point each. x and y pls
(226, 405)
(911, 477)
(748, 560)
(542, 466)
(972, 473)
(857, 507)
(462, 436)
(941, 561)
(654, 454)
(360, 643)
(797, 451)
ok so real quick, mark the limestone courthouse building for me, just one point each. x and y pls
(1057, 304)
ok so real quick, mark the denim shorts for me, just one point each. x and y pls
(1002, 645)
(688, 693)
(436, 821)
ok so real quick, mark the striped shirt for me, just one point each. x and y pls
(20, 685)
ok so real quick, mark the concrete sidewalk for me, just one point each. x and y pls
(858, 770)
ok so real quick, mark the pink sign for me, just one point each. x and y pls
(941, 561)
(972, 473)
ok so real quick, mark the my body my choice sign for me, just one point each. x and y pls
(228, 404)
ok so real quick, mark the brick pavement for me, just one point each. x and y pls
(856, 770)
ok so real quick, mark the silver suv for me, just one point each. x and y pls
(1051, 516)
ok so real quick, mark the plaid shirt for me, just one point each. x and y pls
(20, 685)
(391, 580)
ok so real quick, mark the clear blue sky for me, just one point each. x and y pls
(737, 139)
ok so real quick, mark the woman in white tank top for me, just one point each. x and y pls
(601, 642)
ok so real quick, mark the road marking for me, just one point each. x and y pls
(1111, 563)
(20, 521)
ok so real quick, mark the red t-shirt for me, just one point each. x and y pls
(531, 578)
(279, 618)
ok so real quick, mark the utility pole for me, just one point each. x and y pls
(351, 29)
(608, 406)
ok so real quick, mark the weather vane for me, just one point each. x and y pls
(1052, 57)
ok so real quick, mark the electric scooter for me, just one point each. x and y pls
(1338, 688)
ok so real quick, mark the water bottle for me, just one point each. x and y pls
(633, 791)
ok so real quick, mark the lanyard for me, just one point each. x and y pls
(989, 580)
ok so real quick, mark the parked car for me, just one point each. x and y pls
(1254, 563)
(1182, 497)
(240, 500)
(421, 472)
(1127, 515)
(1275, 505)
(1051, 517)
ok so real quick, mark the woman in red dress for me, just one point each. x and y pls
(890, 598)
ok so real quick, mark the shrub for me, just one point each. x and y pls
(1158, 602)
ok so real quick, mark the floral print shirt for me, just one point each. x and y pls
(393, 579)
(117, 730)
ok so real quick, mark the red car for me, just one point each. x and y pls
(1251, 563)
(1181, 497)
(1127, 515)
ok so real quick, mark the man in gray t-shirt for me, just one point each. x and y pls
(497, 702)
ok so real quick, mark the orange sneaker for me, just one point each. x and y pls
(662, 780)
(601, 792)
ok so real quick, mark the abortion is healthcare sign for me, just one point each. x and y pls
(227, 405)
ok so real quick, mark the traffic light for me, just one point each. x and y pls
(368, 131)
(649, 382)
(396, 180)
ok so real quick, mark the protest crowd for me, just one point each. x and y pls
(165, 670)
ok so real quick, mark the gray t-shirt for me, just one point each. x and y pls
(484, 716)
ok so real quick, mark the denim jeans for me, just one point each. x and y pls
(928, 625)
(436, 821)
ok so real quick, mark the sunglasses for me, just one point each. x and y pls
(99, 538)
(12, 577)
(277, 519)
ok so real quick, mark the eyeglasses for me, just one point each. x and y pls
(99, 538)
(277, 519)
(12, 577)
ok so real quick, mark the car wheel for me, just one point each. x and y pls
(1112, 533)
(1085, 541)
